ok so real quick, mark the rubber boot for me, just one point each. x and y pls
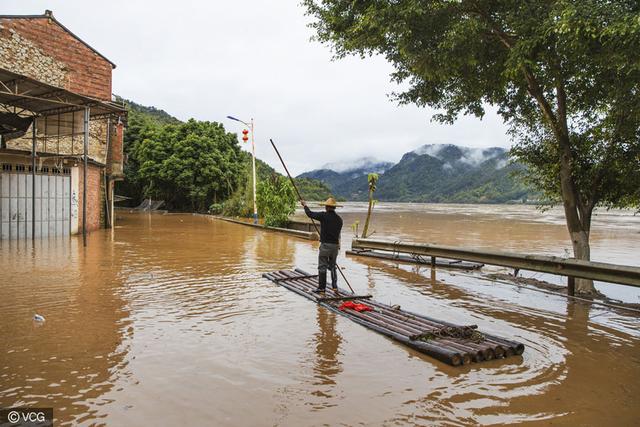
(334, 279)
(322, 282)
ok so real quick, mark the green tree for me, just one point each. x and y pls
(142, 123)
(139, 128)
(189, 165)
(276, 200)
(564, 74)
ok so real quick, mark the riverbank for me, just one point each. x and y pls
(296, 232)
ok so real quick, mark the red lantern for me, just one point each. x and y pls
(245, 138)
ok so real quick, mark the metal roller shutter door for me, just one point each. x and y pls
(52, 199)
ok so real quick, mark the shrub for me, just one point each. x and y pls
(216, 208)
(276, 200)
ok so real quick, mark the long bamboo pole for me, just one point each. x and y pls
(302, 202)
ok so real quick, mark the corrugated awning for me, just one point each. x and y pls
(32, 97)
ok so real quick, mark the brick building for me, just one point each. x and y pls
(61, 134)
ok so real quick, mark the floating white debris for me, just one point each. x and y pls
(38, 318)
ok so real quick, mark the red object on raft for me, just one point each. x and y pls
(354, 306)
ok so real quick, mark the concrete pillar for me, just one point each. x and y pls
(75, 199)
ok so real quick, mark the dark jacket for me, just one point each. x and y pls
(331, 225)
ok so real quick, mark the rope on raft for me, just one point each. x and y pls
(465, 332)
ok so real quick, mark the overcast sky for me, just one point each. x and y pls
(210, 59)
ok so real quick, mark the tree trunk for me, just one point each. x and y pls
(365, 230)
(578, 217)
(582, 250)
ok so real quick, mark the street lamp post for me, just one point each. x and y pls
(253, 154)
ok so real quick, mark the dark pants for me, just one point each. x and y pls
(327, 259)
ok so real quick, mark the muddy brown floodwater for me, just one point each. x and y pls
(166, 320)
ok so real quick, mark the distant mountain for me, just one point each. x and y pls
(434, 173)
(313, 189)
(346, 176)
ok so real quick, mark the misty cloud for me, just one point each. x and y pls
(468, 155)
(502, 163)
(373, 164)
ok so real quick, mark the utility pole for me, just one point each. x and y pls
(253, 153)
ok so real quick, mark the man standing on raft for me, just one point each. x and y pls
(331, 226)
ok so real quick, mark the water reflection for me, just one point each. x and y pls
(272, 250)
(371, 278)
(327, 364)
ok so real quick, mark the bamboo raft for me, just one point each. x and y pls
(417, 259)
(452, 344)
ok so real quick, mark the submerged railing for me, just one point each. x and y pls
(569, 267)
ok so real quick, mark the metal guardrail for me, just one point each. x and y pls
(571, 268)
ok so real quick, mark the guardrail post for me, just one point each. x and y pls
(571, 286)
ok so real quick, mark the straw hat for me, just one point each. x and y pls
(331, 202)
